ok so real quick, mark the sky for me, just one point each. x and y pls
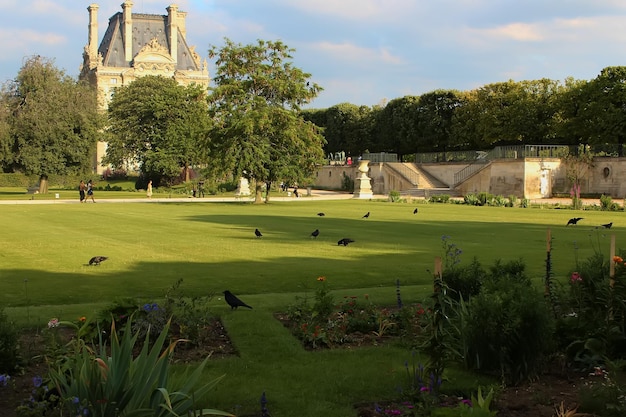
(364, 52)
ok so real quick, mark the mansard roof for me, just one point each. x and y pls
(146, 28)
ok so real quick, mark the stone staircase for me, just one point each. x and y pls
(423, 184)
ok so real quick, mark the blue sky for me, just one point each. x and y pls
(363, 52)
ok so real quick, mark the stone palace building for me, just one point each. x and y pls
(134, 45)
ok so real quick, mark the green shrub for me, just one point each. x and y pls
(602, 395)
(512, 201)
(499, 201)
(593, 320)
(486, 199)
(439, 198)
(347, 183)
(131, 384)
(9, 348)
(394, 196)
(464, 281)
(18, 180)
(471, 200)
(508, 328)
(607, 204)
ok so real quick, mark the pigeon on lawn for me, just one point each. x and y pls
(415, 211)
(315, 233)
(257, 233)
(345, 241)
(233, 301)
(607, 226)
(321, 214)
(366, 215)
(574, 220)
(97, 259)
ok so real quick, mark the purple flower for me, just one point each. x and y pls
(466, 402)
(4, 380)
(37, 381)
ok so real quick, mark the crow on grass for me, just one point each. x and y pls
(97, 259)
(233, 301)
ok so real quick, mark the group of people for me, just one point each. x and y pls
(85, 191)
(284, 187)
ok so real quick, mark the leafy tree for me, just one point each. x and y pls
(259, 132)
(509, 113)
(605, 110)
(398, 126)
(348, 128)
(158, 124)
(436, 112)
(49, 123)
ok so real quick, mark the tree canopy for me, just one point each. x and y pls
(159, 125)
(49, 123)
(259, 132)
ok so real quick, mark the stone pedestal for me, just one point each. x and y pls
(243, 189)
(362, 185)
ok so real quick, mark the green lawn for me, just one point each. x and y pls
(44, 250)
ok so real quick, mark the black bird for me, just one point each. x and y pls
(366, 215)
(321, 214)
(315, 233)
(257, 233)
(607, 226)
(574, 220)
(415, 211)
(233, 301)
(345, 241)
(97, 259)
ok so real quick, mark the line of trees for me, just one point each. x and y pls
(250, 123)
(505, 113)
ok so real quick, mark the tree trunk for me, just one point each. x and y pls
(258, 193)
(186, 172)
(268, 186)
(43, 184)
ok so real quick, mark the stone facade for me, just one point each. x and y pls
(134, 45)
(532, 178)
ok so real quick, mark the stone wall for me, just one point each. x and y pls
(532, 178)
(331, 176)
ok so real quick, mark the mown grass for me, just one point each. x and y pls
(44, 250)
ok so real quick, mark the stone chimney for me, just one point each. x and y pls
(182, 23)
(92, 41)
(172, 30)
(127, 24)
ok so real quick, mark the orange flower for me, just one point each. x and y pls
(82, 319)
(321, 279)
(617, 259)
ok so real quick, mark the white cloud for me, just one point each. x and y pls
(349, 52)
(516, 31)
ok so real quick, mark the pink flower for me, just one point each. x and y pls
(53, 323)
(576, 278)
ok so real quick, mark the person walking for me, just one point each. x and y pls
(90, 191)
(81, 191)
(149, 189)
